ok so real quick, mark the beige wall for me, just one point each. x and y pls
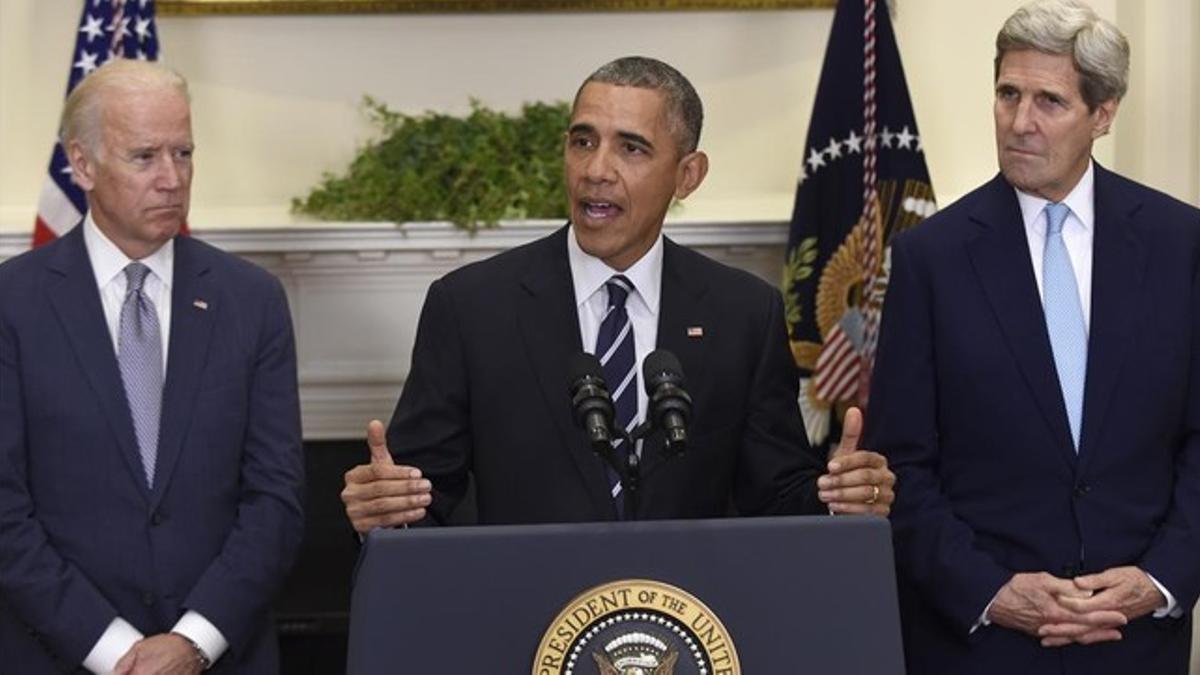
(276, 97)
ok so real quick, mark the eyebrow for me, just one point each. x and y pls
(1002, 86)
(584, 128)
(636, 138)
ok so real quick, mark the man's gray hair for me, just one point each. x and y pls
(686, 113)
(82, 111)
(1098, 49)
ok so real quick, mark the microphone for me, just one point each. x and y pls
(670, 405)
(590, 399)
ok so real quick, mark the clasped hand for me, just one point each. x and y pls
(1084, 610)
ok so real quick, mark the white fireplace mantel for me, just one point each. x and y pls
(356, 290)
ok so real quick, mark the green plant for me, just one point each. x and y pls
(473, 171)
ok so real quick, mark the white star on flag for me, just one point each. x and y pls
(905, 138)
(815, 160)
(885, 137)
(87, 62)
(121, 29)
(854, 143)
(93, 27)
(834, 149)
(143, 29)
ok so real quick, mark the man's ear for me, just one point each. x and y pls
(690, 173)
(1103, 116)
(83, 165)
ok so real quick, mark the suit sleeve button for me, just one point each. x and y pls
(148, 599)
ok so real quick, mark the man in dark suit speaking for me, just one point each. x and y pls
(150, 458)
(488, 391)
(1037, 388)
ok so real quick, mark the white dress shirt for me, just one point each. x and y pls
(1078, 234)
(108, 264)
(589, 275)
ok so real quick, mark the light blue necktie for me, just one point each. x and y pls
(614, 348)
(139, 353)
(1064, 318)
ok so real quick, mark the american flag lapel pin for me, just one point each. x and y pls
(200, 304)
(695, 331)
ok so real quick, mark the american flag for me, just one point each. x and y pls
(107, 29)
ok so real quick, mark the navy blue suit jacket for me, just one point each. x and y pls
(82, 537)
(488, 395)
(967, 407)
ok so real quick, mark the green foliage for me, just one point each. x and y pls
(798, 267)
(472, 171)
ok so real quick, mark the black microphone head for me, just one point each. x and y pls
(661, 367)
(582, 368)
(590, 398)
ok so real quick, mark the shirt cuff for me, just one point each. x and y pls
(1172, 608)
(114, 642)
(198, 629)
(983, 619)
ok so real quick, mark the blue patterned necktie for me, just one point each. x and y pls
(614, 348)
(139, 353)
(1064, 318)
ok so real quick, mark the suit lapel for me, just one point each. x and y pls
(680, 308)
(1118, 269)
(549, 325)
(76, 301)
(1000, 256)
(191, 332)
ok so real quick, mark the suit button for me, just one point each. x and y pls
(1070, 570)
(148, 599)
(1081, 490)
(156, 519)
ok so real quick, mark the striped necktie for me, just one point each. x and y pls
(139, 354)
(1064, 318)
(614, 348)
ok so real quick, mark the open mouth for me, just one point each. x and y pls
(599, 210)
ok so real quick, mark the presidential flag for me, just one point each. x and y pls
(862, 181)
(107, 29)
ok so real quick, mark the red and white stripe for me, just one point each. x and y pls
(55, 214)
(838, 368)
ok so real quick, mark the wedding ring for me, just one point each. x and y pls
(874, 494)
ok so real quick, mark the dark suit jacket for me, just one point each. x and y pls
(82, 538)
(488, 395)
(967, 407)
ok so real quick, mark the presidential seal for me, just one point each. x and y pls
(636, 627)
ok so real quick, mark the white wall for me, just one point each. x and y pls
(276, 97)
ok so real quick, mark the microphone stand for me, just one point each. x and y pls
(630, 471)
(631, 483)
(631, 476)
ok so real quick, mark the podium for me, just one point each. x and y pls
(804, 594)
